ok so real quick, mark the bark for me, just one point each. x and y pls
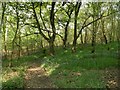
(77, 7)
(111, 37)
(66, 34)
(27, 49)
(41, 43)
(5, 39)
(94, 29)
(69, 12)
(85, 39)
(118, 35)
(3, 13)
(19, 33)
(81, 38)
(52, 38)
(103, 31)
(51, 48)
(93, 38)
(4, 27)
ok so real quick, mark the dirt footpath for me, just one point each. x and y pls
(36, 77)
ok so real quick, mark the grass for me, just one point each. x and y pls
(67, 69)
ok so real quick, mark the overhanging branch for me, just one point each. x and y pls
(93, 22)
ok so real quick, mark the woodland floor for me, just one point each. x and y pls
(65, 69)
(36, 77)
(111, 78)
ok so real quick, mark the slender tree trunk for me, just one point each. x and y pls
(19, 38)
(85, 39)
(118, 34)
(4, 27)
(51, 48)
(27, 49)
(75, 34)
(77, 7)
(19, 46)
(94, 28)
(66, 34)
(68, 12)
(5, 39)
(112, 26)
(103, 31)
(52, 38)
(93, 38)
(81, 38)
(66, 29)
(19, 51)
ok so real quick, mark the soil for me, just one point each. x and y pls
(36, 77)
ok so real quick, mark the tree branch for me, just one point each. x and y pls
(38, 24)
(93, 22)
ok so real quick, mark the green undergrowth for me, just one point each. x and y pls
(66, 69)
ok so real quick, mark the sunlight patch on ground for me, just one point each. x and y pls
(35, 69)
(42, 65)
(10, 75)
(50, 69)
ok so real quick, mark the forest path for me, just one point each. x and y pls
(36, 77)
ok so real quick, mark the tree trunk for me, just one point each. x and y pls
(85, 39)
(52, 38)
(93, 39)
(68, 12)
(77, 7)
(81, 38)
(19, 49)
(103, 31)
(118, 36)
(75, 33)
(51, 48)
(5, 39)
(65, 36)
(4, 27)
(95, 13)
(19, 38)
(66, 28)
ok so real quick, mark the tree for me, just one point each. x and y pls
(68, 12)
(95, 7)
(51, 38)
(77, 7)
(4, 28)
(118, 29)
